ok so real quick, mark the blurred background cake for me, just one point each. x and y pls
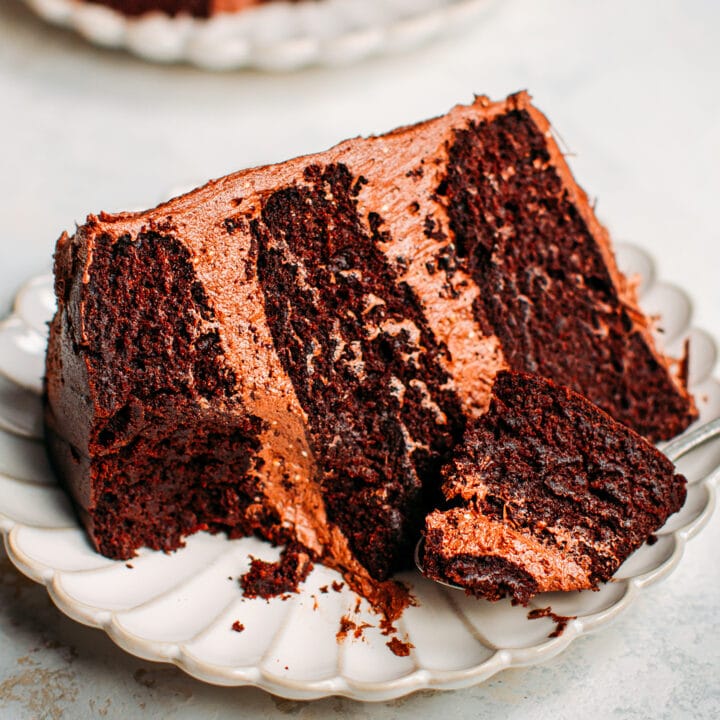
(198, 8)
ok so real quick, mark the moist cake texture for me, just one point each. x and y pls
(546, 493)
(294, 350)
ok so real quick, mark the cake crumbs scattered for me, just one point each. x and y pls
(560, 621)
(237, 626)
(399, 648)
(348, 625)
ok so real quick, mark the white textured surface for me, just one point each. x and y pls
(630, 86)
(180, 607)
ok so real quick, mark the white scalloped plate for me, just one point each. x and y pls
(180, 607)
(274, 36)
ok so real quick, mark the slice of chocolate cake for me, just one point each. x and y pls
(545, 493)
(293, 350)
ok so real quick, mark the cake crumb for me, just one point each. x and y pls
(360, 629)
(128, 565)
(348, 625)
(237, 626)
(399, 648)
(323, 589)
(337, 586)
(560, 621)
(281, 578)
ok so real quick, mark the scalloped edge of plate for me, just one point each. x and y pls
(331, 32)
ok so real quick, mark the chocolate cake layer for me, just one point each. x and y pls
(171, 444)
(546, 493)
(362, 360)
(294, 349)
(548, 290)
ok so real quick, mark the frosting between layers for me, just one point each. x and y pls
(473, 358)
(467, 533)
(472, 490)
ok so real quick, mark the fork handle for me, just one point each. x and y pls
(682, 445)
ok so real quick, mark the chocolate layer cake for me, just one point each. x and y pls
(293, 350)
(198, 8)
(545, 493)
